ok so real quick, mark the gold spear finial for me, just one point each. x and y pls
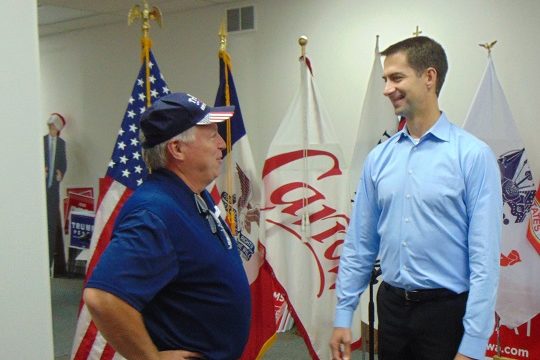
(223, 36)
(417, 32)
(146, 14)
(488, 46)
(302, 41)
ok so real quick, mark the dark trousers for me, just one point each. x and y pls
(54, 224)
(419, 330)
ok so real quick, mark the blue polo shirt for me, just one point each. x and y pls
(165, 260)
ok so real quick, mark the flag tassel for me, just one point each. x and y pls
(306, 227)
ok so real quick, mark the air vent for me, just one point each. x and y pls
(241, 19)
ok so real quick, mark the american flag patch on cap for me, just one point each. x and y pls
(224, 113)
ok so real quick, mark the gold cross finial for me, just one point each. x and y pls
(488, 46)
(417, 32)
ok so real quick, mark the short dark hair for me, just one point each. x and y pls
(422, 53)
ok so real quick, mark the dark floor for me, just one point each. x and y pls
(66, 294)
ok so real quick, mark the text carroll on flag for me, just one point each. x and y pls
(490, 119)
(237, 191)
(305, 214)
(126, 171)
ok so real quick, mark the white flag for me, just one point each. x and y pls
(377, 122)
(305, 214)
(490, 119)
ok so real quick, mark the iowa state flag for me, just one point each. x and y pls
(490, 119)
(237, 192)
(305, 214)
(126, 171)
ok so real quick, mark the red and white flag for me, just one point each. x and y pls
(237, 191)
(490, 119)
(378, 123)
(533, 232)
(305, 214)
(126, 171)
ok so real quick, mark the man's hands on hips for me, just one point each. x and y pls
(340, 344)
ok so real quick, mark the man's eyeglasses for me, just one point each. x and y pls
(215, 224)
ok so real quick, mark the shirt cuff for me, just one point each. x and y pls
(473, 347)
(343, 318)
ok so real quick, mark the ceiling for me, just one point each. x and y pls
(56, 16)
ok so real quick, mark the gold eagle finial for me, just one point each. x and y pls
(146, 14)
(488, 46)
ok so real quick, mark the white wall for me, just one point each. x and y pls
(88, 74)
(25, 305)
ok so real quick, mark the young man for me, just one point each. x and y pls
(171, 284)
(429, 204)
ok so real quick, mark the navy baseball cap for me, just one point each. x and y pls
(175, 113)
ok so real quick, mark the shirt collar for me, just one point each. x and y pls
(440, 130)
(172, 178)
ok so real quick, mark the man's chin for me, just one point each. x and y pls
(400, 111)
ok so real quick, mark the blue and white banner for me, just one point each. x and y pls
(81, 229)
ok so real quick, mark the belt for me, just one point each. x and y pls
(420, 295)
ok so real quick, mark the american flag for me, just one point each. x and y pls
(126, 171)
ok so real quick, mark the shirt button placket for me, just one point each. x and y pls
(405, 252)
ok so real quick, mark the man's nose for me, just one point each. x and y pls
(388, 88)
(221, 143)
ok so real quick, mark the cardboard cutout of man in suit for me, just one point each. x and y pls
(55, 169)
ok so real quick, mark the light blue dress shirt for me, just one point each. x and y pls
(432, 212)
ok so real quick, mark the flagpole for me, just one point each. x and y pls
(229, 182)
(146, 14)
(302, 41)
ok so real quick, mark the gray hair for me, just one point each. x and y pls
(156, 156)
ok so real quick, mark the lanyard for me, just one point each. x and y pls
(214, 221)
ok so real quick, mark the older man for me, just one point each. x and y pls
(171, 284)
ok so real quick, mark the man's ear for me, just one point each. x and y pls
(174, 150)
(431, 78)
